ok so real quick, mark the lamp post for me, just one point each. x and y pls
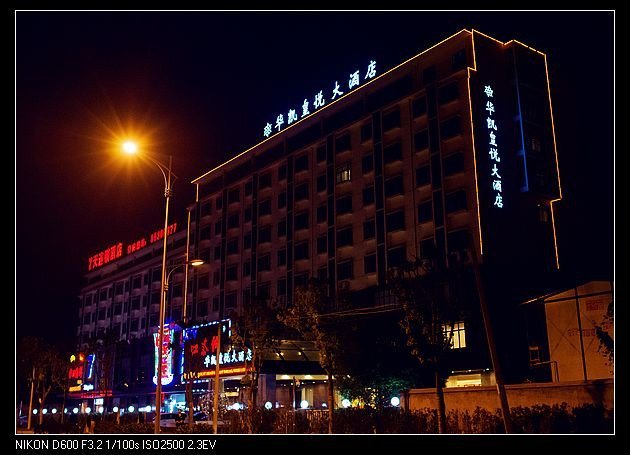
(131, 148)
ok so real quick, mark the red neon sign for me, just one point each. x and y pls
(116, 251)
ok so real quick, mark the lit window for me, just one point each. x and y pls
(343, 173)
(458, 340)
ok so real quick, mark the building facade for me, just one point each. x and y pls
(450, 152)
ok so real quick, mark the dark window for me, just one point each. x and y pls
(301, 221)
(247, 241)
(264, 207)
(423, 176)
(321, 183)
(177, 291)
(217, 228)
(322, 244)
(117, 311)
(428, 74)
(301, 280)
(342, 143)
(301, 163)
(246, 297)
(233, 221)
(203, 282)
(459, 60)
(202, 308)
(282, 172)
(154, 319)
(421, 140)
(157, 275)
(301, 191)
(321, 153)
(231, 273)
(282, 257)
(135, 303)
(427, 248)
(396, 221)
(219, 203)
(438, 208)
(458, 240)
(204, 255)
(248, 188)
(322, 212)
(344, 173)
(282, 227)
(455, 201)
(425, 212)
(394, 186)
(281, 287)
(282, 200)
(391, 120)
(264, 181)
(206, 208)
(216, 278)
(448, 93)
(230, 300)
(232, 246)
(344, 270)
(234, 195)
(247, 215)
(215, 304)
(344, 204)
(301, 250)
(450, 128)
(119, 290)
(392, 153)
(396, 256)
(344, 237)
(369, 229)
(133, 327)
(369, 263)
(263, 291)
(247, 268)
(367, 163)
(366, 132)
(264, 263)
(264, 234)
(322, 273)
(136, 283)
(436, 171)
(454, 163)
(205, 232)
(217, 253)
(368, 196)
(419, 106)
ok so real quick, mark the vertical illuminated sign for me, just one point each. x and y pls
(166, 354)
(493, 149)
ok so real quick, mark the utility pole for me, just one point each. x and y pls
(215, 403)
(30, 403)
(505, 407)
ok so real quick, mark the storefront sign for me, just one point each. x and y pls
(166, 354)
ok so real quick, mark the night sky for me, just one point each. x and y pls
(201, 86)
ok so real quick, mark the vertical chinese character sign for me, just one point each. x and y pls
(493, 148)
(166, 353)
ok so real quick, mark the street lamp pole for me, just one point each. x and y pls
(158, 390)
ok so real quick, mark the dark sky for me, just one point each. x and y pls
(201, 85)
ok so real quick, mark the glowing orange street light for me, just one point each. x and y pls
(130, 147)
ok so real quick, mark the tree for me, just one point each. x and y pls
(431, 296)
(256, 327)
(305, 316)
(606, 342)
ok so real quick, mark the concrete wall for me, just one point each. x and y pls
(468, 398)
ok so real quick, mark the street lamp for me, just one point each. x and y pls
(131, 148)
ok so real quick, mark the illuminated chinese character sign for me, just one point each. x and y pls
(118, 250)
(200, 344)
(166, 353)
(494, 152)
(81, 372)
(319, 100)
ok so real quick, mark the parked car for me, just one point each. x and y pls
(200, 417)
